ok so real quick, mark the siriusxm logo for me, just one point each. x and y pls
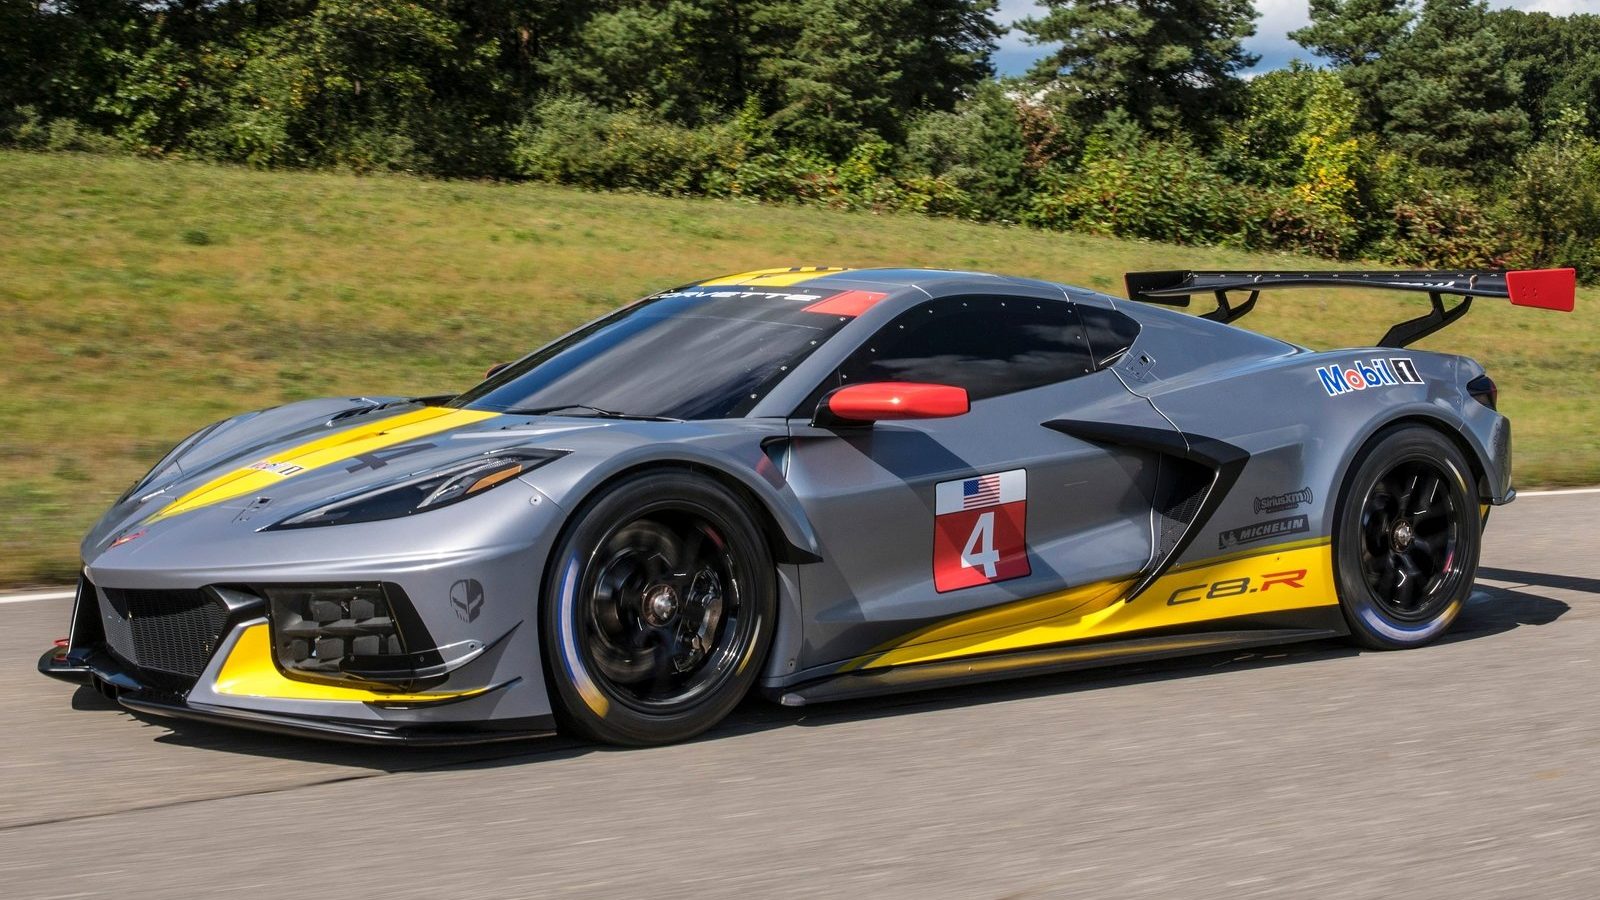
(1359, 376)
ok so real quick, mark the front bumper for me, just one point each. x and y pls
(166, 659)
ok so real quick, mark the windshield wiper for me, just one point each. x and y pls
(594, 411)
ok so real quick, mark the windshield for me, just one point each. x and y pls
(689, 354)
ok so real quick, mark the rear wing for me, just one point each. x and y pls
(1543, 288)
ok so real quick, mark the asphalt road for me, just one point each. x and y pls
(1467, 769)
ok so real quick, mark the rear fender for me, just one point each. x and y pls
(1302, 437)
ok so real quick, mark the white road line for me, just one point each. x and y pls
(1565, 490)
(31, 598)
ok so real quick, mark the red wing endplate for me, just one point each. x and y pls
(1544, 288)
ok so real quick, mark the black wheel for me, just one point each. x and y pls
(1407, 540)
(659, 611)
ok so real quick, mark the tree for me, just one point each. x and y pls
(836, 71)
(1450, 101)
(1356, 36)
(1557, 59)
(681, 59)
(1170, 65)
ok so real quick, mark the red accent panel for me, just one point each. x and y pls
(849, 303)
(1000, 546)
(897, 400)
(1545, 288)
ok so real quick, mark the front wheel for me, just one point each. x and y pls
(660, 609)
(1407, 539)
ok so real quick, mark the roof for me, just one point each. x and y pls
(813, 276)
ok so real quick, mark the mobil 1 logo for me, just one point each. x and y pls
(1338, 380)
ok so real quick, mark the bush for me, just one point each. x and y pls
(978, 149)
(1286, 219)
(1554, 198)
(574, 141)
(23, 127)
(1156, 190)
(788, 176)
(1446, 230)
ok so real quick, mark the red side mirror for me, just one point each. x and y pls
(884, 400)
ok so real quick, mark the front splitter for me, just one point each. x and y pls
(107, 675)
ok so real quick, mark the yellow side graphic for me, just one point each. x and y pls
(775, 277)
(1286, 577)
(323, 451)
(249, 672)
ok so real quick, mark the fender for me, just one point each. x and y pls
(776, 499)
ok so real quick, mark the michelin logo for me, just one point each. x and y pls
(1261, 531)
(1359, 376)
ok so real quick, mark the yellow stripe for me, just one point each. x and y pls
(1097, 610)
(337, 447)
(775, 277)
(250, 672)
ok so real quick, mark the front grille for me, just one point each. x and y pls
(168, 631)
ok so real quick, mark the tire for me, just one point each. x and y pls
(1407, 538)
(658, 610)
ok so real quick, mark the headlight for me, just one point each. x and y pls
(423, 491)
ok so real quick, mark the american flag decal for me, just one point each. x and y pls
(981, 491)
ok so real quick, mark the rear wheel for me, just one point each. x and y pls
(659, 615)
(1406, 545)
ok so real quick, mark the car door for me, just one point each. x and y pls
(925, 521)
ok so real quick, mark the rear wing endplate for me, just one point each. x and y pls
(1543, 288)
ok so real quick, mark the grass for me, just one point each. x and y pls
(140, 300)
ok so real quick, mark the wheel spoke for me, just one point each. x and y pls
(1434, 513)
(1422, 501)
(1407, 493)
(1405, 593)
(1375, 530)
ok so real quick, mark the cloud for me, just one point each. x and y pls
(1271, 42)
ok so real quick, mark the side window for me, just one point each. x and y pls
(989, 345)
(1110, 333)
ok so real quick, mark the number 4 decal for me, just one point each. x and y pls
(980, 551)
(979, 533)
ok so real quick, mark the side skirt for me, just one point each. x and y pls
(1039, 661)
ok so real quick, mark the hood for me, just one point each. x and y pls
(259, 468)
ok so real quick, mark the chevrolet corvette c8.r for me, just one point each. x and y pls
(815, 483)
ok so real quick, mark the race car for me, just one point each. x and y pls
(815, 483)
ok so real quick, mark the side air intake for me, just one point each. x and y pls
(1202, 471)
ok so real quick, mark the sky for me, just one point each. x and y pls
(1278, 18)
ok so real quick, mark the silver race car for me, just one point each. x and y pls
(817, 483)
